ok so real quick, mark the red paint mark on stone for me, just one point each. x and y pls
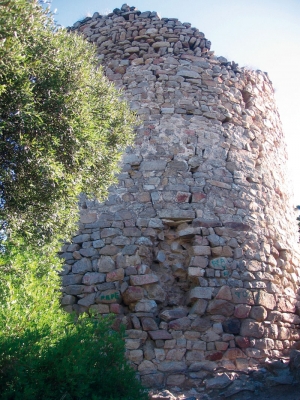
(198, 197)
(182, 197)
(214, 356)
(189, 131)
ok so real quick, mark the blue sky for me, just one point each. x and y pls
(261, 34)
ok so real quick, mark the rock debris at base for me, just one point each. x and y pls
(195, 250)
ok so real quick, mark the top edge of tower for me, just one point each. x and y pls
(130, 13)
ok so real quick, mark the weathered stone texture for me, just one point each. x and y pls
(196, 247)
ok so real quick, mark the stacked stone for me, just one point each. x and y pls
(195, 250)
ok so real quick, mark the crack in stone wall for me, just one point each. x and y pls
(195, 250)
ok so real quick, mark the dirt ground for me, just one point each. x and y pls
(279, 392)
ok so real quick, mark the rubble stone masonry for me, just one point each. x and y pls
(195, 249)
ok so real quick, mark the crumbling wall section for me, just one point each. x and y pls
(195, 249)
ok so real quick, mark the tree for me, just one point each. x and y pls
(62, 125)
(62, 130)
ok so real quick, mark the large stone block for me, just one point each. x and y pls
(220, 307)
(176, 313)
(199, 293)
(91, 278)
(265, 299)
(133, 294)
(243, 296)
(160, 335)
(108, 296)
(116, 275)
(140, 280)
(180, 324)
(147, 306)
(82, 266)
(106, 264)
(157, 165)
(176, 214)
(252, 328)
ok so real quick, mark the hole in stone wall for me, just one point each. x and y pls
(246, 98)
(227, 119)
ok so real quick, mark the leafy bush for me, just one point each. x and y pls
(44, 354)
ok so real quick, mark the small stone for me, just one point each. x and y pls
(100, 308)
(87, 300)
(152, 380)
(233, 354)
(199, 307)
(155, 292)
(221, 346)
(71, 279)
(219, 382)
(242, 342)
(219, 263)
(195, 272)
(175, 354)
(220, 307)
(180, 324)
(136, 356)
(199, 293)
(201, 324)
(149, 324)
(109, 250)
(189, 74)
(224, 293)
(259, 313)
(265, 299)
(82, 266)
(116, 309)
(117, 275)
(132, 49)
(171, 366)
(242, 311)
(176, 214)
(106, 264)
(176, 380)
(160, 335)
(158, 45)
(201, 250)
(176, 313)
(252, 328)
(146, 306)
(81, 238)
(199, 261)
(67, 300)
(133, 294)
(92, 278)
(232, 326)
(139, 280)
(243, 296)
(109, 296)
(147, 367)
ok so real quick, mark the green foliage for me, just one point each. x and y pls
(45, 355)
(62, 126)
(62, 130)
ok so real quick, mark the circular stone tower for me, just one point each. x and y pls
(195, 249)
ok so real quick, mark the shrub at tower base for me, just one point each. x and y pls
(43, 353)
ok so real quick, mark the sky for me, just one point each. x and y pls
(260, 34)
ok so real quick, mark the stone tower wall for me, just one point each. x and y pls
(195, 249)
